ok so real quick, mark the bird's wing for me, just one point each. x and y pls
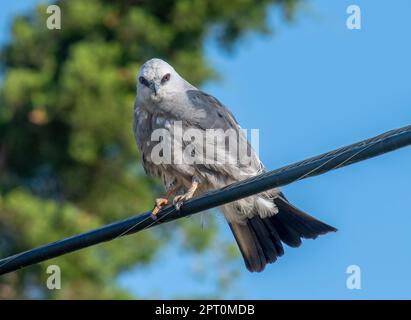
(218, 116)
(142, 134)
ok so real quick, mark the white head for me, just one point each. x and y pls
(156, 79)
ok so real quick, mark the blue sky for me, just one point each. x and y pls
(320, 86)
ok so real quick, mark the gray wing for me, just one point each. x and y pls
(142, 134)
(218, 116)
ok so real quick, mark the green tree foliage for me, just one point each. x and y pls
(68, 161)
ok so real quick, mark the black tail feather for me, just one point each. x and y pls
(307, 226)
(275, 237)
(287, 233)
(260, 239)
(264, 238)
(249, 246)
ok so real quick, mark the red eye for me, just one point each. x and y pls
(166, 78)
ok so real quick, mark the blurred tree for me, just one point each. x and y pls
(68, 161)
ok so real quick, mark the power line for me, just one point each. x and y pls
(345, 156)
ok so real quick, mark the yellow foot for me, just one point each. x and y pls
(160, 203)
(179, 200)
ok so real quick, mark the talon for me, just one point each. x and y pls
(154, 215)
(160, 203)
(178, 201)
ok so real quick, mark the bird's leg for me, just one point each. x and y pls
(161, 202)
(178, 200)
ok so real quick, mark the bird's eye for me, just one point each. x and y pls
(144, 81)
(166, 78)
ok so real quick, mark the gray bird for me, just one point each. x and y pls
(260, 223)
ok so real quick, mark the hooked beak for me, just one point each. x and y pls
(154, 87)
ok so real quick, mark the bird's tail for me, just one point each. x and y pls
(260, 239)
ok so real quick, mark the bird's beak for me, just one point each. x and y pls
(154, 87)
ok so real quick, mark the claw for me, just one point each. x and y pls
(179, 200)
(160, 203)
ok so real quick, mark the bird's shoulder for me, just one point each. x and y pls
(217, 116)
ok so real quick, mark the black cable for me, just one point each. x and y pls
(363, 150)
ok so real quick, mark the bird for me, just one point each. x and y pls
(261, 223)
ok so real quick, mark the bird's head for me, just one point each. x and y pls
(156, 78)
